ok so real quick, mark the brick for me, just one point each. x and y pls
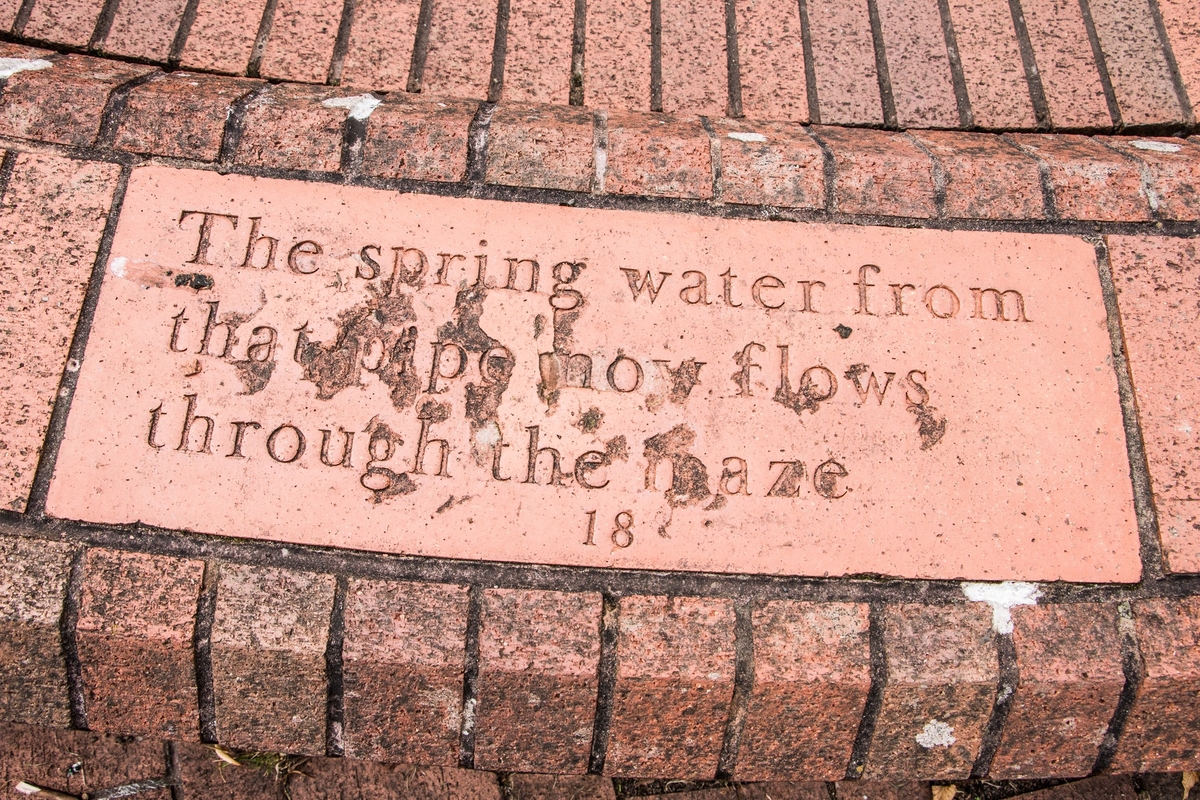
(135, 631)
(203, 775)
(1137, 64)
(222, 37)
(1183, 32)
(420, 140)
(522, 786)
(882, 790)
(771, 60)
(1069, 660)
(546, 147)
(344, 779)
(9, 50)
(79, 762)
(727, 793)
(144, 29)
(381, 44)
(288, 127)
(991, 62)
(402, 667)
(658, 155)
(616, 68)
(1104, 787)
(879, 172)
(941, 685)
(987, 177)
(539, 653)
(844, 63)
(918, 64)
(537, 62)
(1179, 531)
(1159, 733)
(459, 61)
(674, 683)
(695, 70)
(1090, 181)
(780, 790)
(1172, 170)
(63, 104)
(8, 13)
(33, 674)
(68, 22)
(770, 163)
(300, 46)
(811, 678)
(268, 656)
(180, 115)
(51, 219)
(1066, 63)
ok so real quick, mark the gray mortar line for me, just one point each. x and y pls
(470, 695)
(1033, 77)
(1132, 667)
(714, 160)
(578, 53)
(962, 98)
(103, 25)
(114, 108)
(265, 24)
(828, 171)
(179, 43)
(235, 122)
(1049, 201)
(870, 715)
(1160, 28)
(1110, 95)
(354, 136)
(173, 770)
(606, 681)
(733, 62)
(420, 52)
(939, 175)
(341, 44)
(1009, 678)
(887, 100)
(656, 84)
(335, 708)
(477, 146)
(206, 613)
(22, 18)
(499, 52)
(7, 165)
(743, 688)
(68, 629)
(810, 74)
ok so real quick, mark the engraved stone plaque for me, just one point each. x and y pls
(492, 380)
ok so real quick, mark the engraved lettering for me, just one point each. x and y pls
(430, 414)
(745, 361)
(239, 435)
(825, 479)
(872, 387)
(734, 470)
(727, 288)
(622, 536)
(368, 268)
(695, 293)
(300, 257)
(807, 289)
(152, 438)
(613, 383)
(252, 247)
(863, 284)
(447, 259)
(638, 283)
(179, 320)
(556, 474)
(274, 449)
(586, 464)
(931, 303)
(514, 265)
(206, 229)
(898, 297)
(764, 283)
(999, 304)
(347, 448)
(436, 371)
(790, 479)
(190, 418)
(408, 269)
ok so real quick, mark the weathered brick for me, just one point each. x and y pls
(547, 147)
(459, 61)
(268, 655)
(616, 70)
(79, 762)
(770, 163)
(653, 154)
(33, 584)
(421, 140)
(882, 790)
(987, 177)
(879, 172)
(1069, 661)
(1179, 530)
(181, 115)
(1104, 787)
(63, 104)
(289, 127)
(1183, 31)
(135, 630)
(344, 779)
(789, 790)
(771, 60)
(1066, 63)
(991, 62)
(222, 37)
(811, 677)
(51, 219)
(918, 65)
(1172, 168)
(203, 775)
(1090, 181)
(694, 63)
(144, 29)
(537, 63)
(1137, 64)
(674, 683)
(301, 43)
(523, 786)
(942, 678)
(539, 652)
(402, 671)
(844, 63)
(63, 21)
(1160, 731)
(381, 44)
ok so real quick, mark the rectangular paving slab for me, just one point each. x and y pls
(487, 380)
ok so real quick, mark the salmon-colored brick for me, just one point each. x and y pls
(616, 67)
(1160, 731)
(695, 72)
(459, 61)
(1066, 63)
(879, 172)
(144, 29)
(33, 584)
(770, 163)
(381, 44)
(1069, 660)
(674, 683)
(1172, 169)
(844, 62)
(1137, 64)
(181, 115)
(1179, 529)
(918, 64)
(547, 147)
(63, 104)
(537, 63)
(882, 790)
(402, 671)
(653, 154)
(79, 762)
(418, 139)
(9, 50)
(8, 13)
(771, 59)
(811, 677)
(991, 63)
(68, 22)
(268, 658)
(539, 655)
(300, 46)
(942, 673)
(289, 127)
(524, 786)
(135, 630)
(1183, 31)
(987, 177)
(51, 220)
(222, 36)
(1090, 181)
(202, 775)
(346, 779)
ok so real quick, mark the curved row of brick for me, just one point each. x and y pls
(274, 659)
(1021, 64)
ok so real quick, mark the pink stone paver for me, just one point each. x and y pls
(459, 62)
(63, 21)
(616, 71)
(1183, 31)
(1066, 63)
(844, 62)
(698, 433)
(695, 69)
(381, 44)
(992, 67)
(301, 43)
(771, 55)
(222, 37)
(8, 13)
(1136, 62)
(537, 65)
(918, 64)
(144, 29)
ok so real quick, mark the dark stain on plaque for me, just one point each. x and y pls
(812, 392)
(194, 280)
(383, 482)
(689, 476)
(931, 426)
(589, 421)
(682, 379)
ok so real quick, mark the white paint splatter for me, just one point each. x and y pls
(746, 137)
(1158, 147)
(468, 717)
(117, 266)
(1002, 597)
(11, 66)
(936, 734)
(360, 106)
(488, 435)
